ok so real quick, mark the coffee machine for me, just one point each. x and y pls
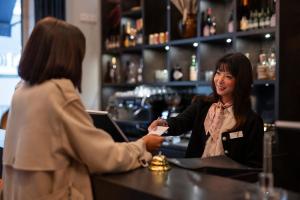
(135, 110)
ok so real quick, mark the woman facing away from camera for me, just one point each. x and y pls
(224, 123)
(51, 144)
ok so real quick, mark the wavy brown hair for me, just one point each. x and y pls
(239, 66)
(55, 49)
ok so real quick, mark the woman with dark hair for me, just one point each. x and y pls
(51, 144)
(223, 123)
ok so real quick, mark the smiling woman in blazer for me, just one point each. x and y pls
(223, 123)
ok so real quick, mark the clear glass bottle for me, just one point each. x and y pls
(114, 71)
(262, 67)
(272, 65)
(140, 72)
(193, 69)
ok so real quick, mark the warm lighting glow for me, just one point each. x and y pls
(228, 40)
(268, 35)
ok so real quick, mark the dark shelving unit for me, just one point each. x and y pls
(160, 16)
(273, 99)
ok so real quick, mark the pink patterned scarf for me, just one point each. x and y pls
(215, 118)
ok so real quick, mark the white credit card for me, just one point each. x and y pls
(159, 130)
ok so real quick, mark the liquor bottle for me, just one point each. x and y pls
(262, 67)
(140, 72)
(203, 19)
(177, 74)
(207, 23)
(114, 71)
(251, 21)
(272, 65)
(139, 31)
(213, 27)
(127, 34)
(255, 20)
(268, 18)
(107, 77)
(193, 69)
(230, 25)
(132, 72)
(245, 14)
(273, 14)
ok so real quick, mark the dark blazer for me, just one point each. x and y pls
(246, 150)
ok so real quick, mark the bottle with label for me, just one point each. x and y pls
(262, 67)
(245, 14)
(114, 71)
(193, 69)
(126, 42)
(177, 74)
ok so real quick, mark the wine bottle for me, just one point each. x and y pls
(245, 14)
(193, 69)
(230, 25)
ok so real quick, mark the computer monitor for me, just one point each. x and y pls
(102, 120)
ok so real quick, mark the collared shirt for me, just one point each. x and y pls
(220, 118)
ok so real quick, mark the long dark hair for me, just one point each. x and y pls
(239, 66)
(55, 49)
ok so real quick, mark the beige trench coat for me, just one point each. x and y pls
(52, 146)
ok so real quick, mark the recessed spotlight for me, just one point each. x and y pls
(228, 40)
(167, 48)
(195, 44)
(268, 35)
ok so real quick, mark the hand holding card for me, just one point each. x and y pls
(159, 130)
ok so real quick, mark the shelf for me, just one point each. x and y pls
(162, 16)
(182, 83)
(184, 41)
(120, 85)
(155, 46)
(263, 82)
(256, 33)
(169, 84)
(217, 38)
(132, 13)
(111, 51)
(137, 48)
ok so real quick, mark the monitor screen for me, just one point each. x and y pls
(102, 120)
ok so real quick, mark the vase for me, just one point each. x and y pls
(187, 26)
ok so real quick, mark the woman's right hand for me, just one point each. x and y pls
(153, 142)
(155, 123)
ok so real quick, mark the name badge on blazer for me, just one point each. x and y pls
(237, 134)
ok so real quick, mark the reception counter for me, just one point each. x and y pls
(177, 183)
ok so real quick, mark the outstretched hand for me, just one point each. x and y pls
(153, 142)
(155, 123)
